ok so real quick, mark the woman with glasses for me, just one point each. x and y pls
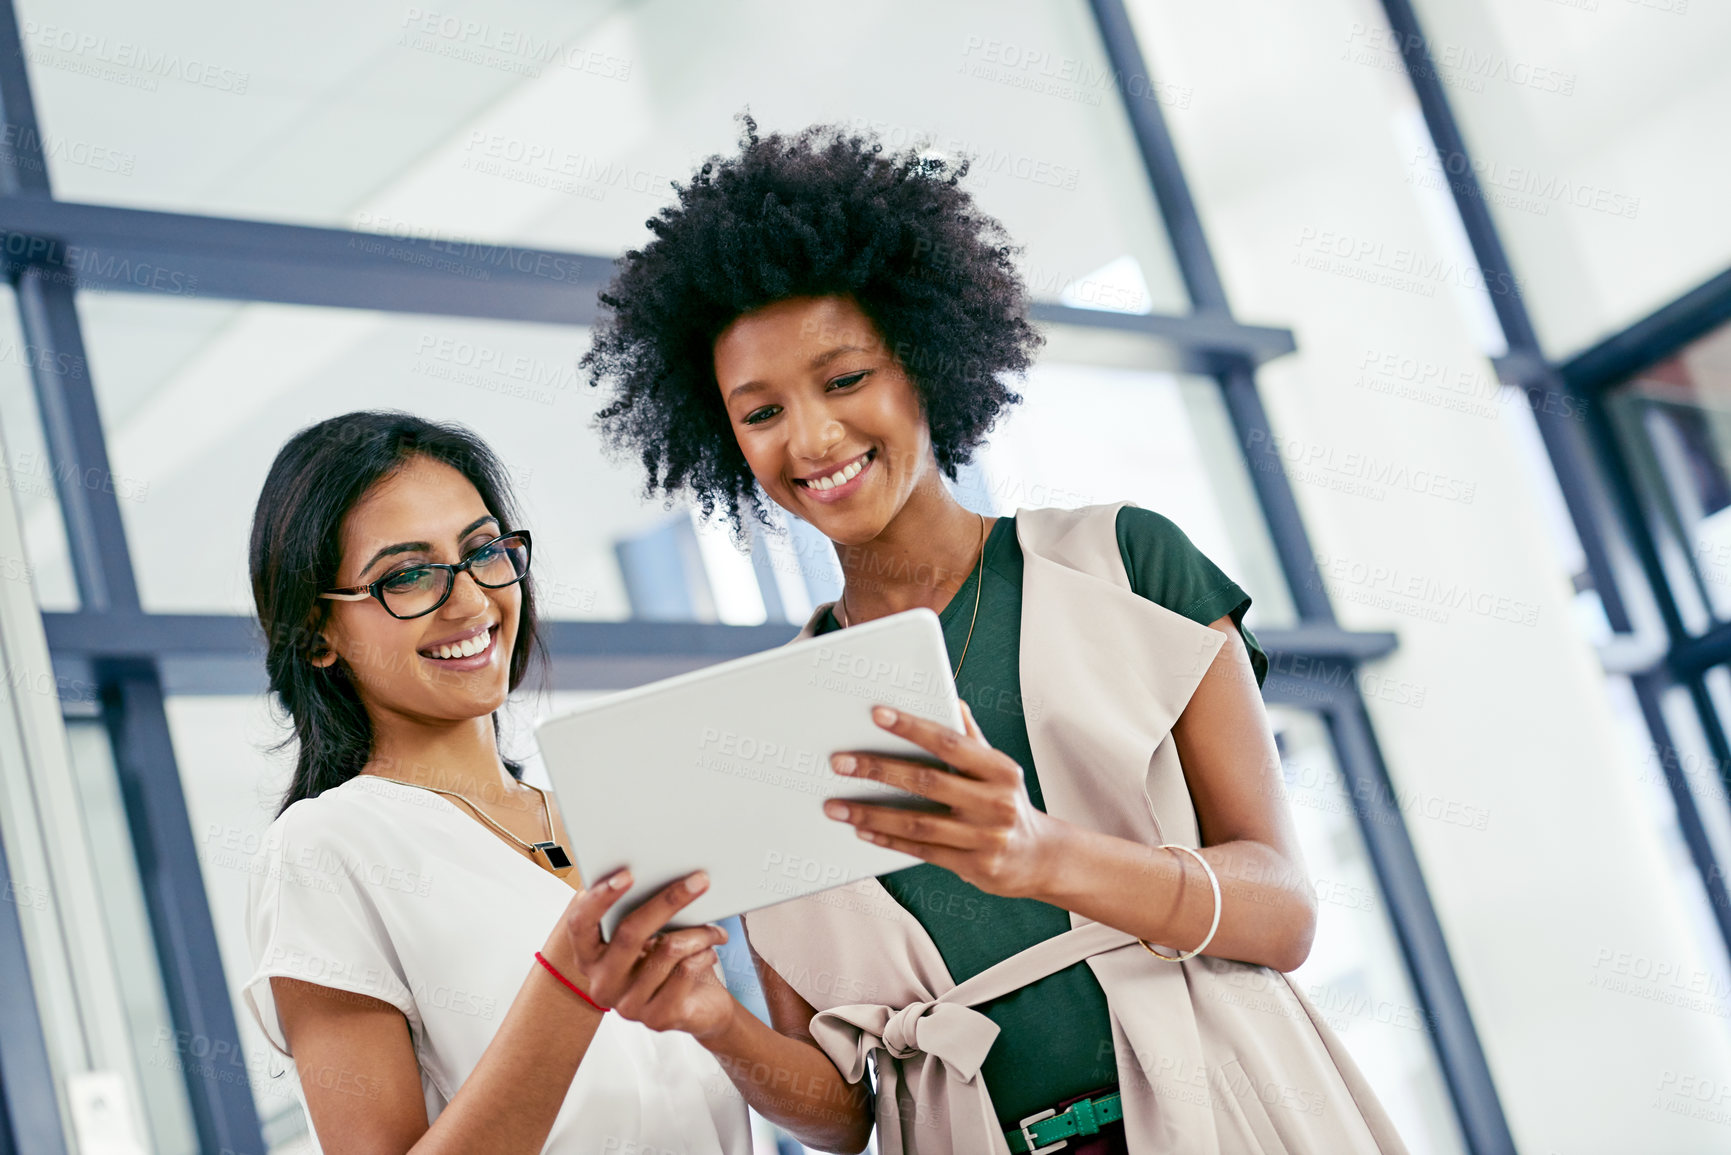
(1092, 955)
(424, 951)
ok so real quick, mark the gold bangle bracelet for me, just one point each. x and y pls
(1214, 883)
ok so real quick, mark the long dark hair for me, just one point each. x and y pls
(296, 550)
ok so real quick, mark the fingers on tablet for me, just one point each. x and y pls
(636, 928)
(584, 914)
(973, 727)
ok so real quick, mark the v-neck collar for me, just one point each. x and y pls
(470, 821)
(977, 576)
(993, 545)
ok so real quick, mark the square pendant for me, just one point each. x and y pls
(556, 856)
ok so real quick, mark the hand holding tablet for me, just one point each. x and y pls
(727, 769)
(985, 828)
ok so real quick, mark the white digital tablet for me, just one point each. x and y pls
(726, 769)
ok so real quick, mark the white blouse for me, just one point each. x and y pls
(395, 892)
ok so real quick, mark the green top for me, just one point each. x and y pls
(1055, 1036)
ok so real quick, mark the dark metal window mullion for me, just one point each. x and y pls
(1566, 446)
(1525, 362)
(1571, 460)
(1160, 159)
(72, 428)
(1435, 982)
(29, 1102)
(133, 708)
(1688, 657)
(1274, 494)
(1417, 928)
(1621, 481)
(7, 1144)
(180, 917)
(1686, 663)
(1649, 689)
(207, 1043)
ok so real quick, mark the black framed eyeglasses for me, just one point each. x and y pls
(419, 589)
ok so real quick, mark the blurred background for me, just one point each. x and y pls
(1412, 314)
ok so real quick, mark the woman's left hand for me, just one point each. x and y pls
(993, 836)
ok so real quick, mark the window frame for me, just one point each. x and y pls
(133, 659)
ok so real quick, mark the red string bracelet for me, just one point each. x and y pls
(575, 989)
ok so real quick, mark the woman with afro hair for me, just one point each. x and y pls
(1095, 946)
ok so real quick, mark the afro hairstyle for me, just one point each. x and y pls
(823, 212)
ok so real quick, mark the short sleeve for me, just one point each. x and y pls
(310, 916)
(1166, 568)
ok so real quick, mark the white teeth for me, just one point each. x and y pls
(839, 477)
(467, 648)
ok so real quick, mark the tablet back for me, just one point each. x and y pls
(726, 769)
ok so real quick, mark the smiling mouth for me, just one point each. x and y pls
(467, 648)
(841, 476)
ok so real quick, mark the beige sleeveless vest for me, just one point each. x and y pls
(1213, 1056)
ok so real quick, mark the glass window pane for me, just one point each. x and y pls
(603, 550)
(1088, 433)
(560, 125)
(233, 783)
(1355, 976)
(1691, 757)
(28, 473)
(254, 374)
(160, 1062)
(1589, 124)
(1674, 422)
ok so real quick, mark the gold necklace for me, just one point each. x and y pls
(841, 602)
(552, 855)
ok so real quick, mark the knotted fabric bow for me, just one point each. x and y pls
(940, 1040)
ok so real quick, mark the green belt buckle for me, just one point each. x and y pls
(1081, 1118)
(1033, 1145)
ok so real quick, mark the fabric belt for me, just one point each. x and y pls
(1048, 1130)
(946, 1039)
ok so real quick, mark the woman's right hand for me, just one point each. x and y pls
(664, 980)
